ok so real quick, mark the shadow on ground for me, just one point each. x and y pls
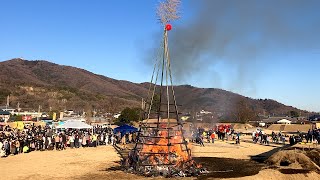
(294, 171)
(228, 168)
(113, 173)
(217, 167)
(264, 156)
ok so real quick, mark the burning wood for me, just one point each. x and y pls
(162, 153)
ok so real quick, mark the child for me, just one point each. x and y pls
(213, 135)
(123, 142)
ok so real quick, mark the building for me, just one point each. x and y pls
(7, 108)
(4, 116)
(31, 114)
(205, 112)
(314, 118)
(275, 120)
(70, 113)
(117, 115)
(284, 121)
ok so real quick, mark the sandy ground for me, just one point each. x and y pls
(228, 149)
(102, 163)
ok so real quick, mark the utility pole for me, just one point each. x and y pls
(143, 104)
(18, 106)
(38, 112)
(8, 102)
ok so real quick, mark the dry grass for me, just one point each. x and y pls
(290, 127)
(168, 11)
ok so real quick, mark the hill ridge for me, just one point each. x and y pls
(54, 86)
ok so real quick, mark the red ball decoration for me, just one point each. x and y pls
(168, 27)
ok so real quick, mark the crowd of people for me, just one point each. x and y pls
(311, 136)
(37, 138)
(259, 136)
(199, 135)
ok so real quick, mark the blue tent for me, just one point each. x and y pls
(124, 129)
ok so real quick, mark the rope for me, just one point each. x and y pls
(158, 54)
(161, 82)
(148, 97)
(154, 89)
(154, 68)
(176, 107)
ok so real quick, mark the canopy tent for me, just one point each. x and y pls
(125, 129)
(284, 121)
(74, 124)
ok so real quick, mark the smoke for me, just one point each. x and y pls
(239, 35)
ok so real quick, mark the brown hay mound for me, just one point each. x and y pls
(292, 159)
(314, 155)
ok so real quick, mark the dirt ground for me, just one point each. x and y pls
(223, 160)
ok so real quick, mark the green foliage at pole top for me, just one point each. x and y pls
(128, 115)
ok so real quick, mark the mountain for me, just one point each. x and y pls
(57, 87)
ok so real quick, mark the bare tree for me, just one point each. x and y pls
(168, 11)
(243, 112)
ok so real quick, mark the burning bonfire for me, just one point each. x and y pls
(162, 151)
(161, 147)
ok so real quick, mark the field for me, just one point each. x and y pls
(222, 159)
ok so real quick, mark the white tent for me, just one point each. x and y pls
(74, 124)
(284, 121)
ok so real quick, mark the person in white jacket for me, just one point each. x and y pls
(107, 140)
(112, 141)
(2, 152)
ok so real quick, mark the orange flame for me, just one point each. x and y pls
(166, 149)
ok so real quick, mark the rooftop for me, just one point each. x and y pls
(5, 107)
(4, 112)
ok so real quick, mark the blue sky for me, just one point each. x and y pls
(110, 38)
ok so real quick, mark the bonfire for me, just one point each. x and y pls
(162, 150)
(161, 147)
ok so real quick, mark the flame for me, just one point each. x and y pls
(166, 149)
